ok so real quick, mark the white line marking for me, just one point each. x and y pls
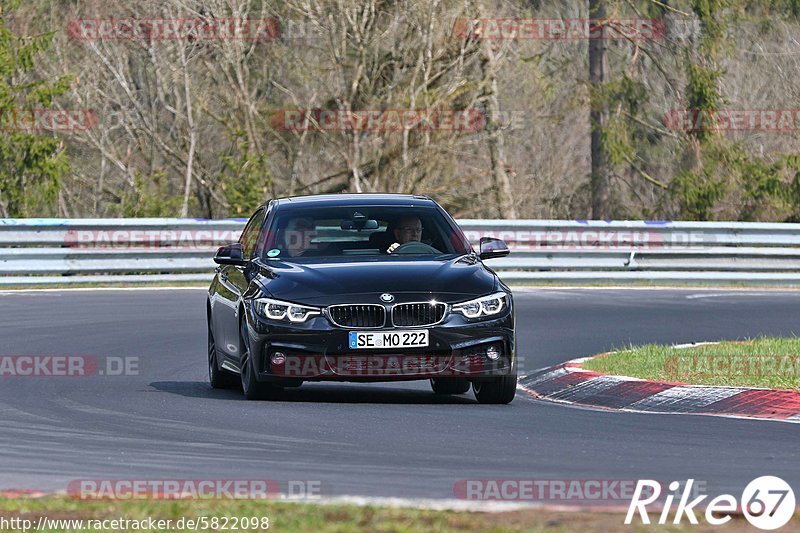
(677, 395)
(591, 386)
(6, 292)
(547, 376)
(682, 288)
(694, 344)
(722, 294)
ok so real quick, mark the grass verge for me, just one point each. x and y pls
(302, 517)
(766, 362)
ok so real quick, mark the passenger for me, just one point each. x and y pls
(298, 235)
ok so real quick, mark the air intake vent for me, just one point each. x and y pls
(418, 314)
(358, 316)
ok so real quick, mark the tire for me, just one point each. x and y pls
(497, 391)
(217, 377)
(251, 387)
(450, 385)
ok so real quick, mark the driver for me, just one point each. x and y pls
(408, 229)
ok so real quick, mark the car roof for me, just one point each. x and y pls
(357, 199)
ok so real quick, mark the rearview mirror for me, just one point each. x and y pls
(359, 224)
(491, 248)
(230, 254)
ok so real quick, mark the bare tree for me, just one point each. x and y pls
(504, 198)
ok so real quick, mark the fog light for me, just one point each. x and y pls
(278, 358)
(493, 353)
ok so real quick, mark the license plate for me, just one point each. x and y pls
(388, 339)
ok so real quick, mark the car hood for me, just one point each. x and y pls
(343, 281)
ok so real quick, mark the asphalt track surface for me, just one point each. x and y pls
(365, 439)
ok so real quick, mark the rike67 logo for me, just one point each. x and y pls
(767, 502)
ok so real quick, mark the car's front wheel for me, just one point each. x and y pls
(497, 390)
(449, 385)
(252, 388)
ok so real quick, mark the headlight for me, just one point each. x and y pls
(278, 310)
(483, 306)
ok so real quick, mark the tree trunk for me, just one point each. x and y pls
(504, 198)
(598, 117)
(187, 186)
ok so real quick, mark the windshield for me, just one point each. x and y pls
(361, 231)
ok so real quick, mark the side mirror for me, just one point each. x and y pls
(491, 248)
(230, 254)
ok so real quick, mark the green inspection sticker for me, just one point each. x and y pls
(274, 253)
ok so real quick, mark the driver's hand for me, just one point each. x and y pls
(392, 248)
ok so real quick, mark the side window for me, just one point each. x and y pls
(250, 234)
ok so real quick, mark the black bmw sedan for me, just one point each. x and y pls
(359, 287)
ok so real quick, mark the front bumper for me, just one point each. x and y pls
(319, 351)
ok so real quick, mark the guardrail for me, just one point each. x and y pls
(63, 251)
